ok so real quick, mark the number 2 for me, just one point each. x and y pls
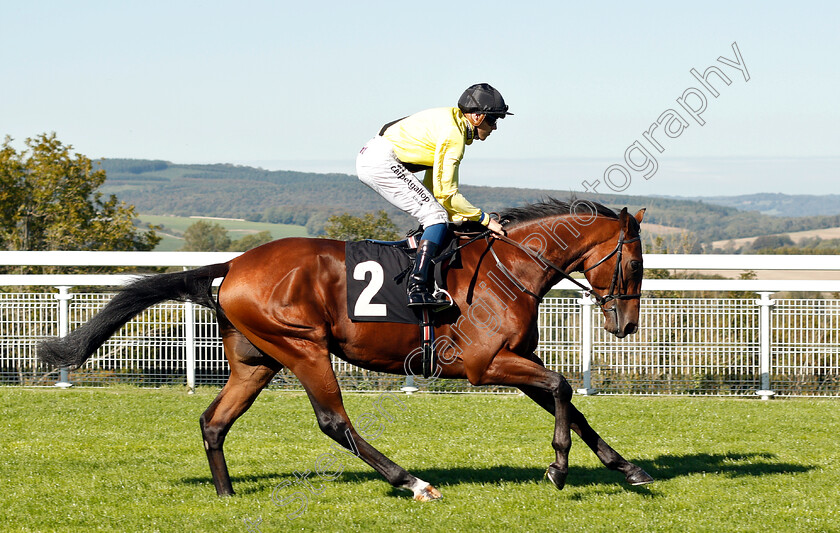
(377, 276)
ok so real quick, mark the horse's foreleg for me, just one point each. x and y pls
(611, 458)
(562, 442)
(561, 398)
(555, 394)
(250, 372)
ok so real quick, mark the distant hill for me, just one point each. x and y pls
(776, 204)
(797, 237)
(309, 199)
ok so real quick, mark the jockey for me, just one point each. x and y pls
(434, 141)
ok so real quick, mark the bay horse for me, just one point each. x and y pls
(284, 304)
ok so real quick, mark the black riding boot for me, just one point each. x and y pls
(420, 281)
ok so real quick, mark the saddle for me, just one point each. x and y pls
(376, 281)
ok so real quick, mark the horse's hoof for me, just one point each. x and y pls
(639, 477)
(556, 476)
(428, 494)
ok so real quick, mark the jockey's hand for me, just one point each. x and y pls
(496, 228)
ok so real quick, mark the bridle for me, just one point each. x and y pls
(602, 301)
(618, 250)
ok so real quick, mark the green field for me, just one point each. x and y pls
(174, 227)
(128, 459)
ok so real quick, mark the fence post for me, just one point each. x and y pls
(409, 387)
(586, 304)
(764, 304)
(63, 298)
(189, 344)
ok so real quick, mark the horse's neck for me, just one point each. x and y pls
(562, 240)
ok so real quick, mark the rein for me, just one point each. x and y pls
(443, 257)
(600, 300)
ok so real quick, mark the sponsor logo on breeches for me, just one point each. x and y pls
(421, 192)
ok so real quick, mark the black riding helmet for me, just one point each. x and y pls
(484, 99)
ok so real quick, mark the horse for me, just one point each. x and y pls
(284, 304)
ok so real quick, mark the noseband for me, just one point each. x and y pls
(602, 301)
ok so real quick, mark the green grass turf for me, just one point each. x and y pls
(128, 459)
(236, 229)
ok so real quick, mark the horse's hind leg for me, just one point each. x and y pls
(250, 372)
(611, 458)
(316, 375)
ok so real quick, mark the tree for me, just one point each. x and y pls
(49, 201)
(351, 228)
(204, 236)
(250, 241)
(772, 241)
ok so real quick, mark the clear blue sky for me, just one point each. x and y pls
(305, 84)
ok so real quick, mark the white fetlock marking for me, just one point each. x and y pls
(424, 492)
(418, 487)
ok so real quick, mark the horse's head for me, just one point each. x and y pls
(614, 271)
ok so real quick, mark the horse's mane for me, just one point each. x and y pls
(553, 207)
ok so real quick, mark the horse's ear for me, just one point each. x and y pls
(640, 215)
(622, 217)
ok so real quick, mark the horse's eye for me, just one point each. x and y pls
(636, 266)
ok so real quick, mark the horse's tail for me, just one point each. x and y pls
(76, 347)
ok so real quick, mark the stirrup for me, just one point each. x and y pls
(423, 298)
(442, 294)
